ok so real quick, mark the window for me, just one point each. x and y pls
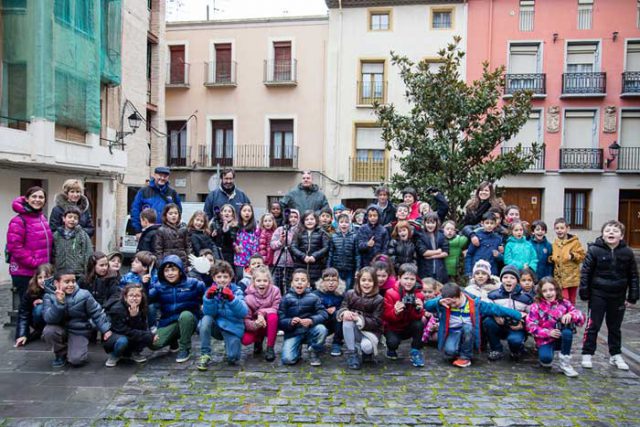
(629, 155)
(71, 95)
(177, 65)
(281, 145)
(580, 128)
(531, 132)
(379, 20)
(524, 69)
(631, 75)
(84, 16)
(526, 15)
(585, 14)
(434, 65)
(638, 15)
(222, 148)
(16, 5)
(633, 56)
(62, 11)
(223, 63)
(582, 57)
(270, 200)
(177, 143)
(370, 163)
(441, 19)
(372, 84)
(282, 61)
(576, 208)
(14, 96)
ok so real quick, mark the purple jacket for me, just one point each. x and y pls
(29, 239)
(261, 304)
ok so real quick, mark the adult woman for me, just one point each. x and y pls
(483, 199)
(72, 195)
(29, 238)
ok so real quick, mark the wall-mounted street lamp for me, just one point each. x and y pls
(134, 123)
(614, 150)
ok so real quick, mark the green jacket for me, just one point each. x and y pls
(456, 246)
(71, 251)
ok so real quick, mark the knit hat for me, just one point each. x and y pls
(510, 269)
(339, 207)
(483, 266)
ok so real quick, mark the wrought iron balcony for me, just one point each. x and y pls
(628, 159)
(178, 74)
(280, 72)
(369, 170)
(535, 82)
(584, 83)
(581, 158)
(249, 156)
(218, 74)
(372, 91)
(631, 83)
(538, 164)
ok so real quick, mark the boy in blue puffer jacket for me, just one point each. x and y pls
(489, 248)
(343, 251)
(224, 312)
(179, 298)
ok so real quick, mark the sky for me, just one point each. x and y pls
(192, 10)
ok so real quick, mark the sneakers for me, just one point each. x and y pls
(545, 365)
(59, 362)
(391, 354)
(111, 361)
(462, 363)
(618, 362)
(204, 362)
(174, 347)
(416, 358)
(269, 355)
(280, 333)
(586, 361)
(565, 366)
(314, 358)
(353, 361)
(183, 356)
(495, 355)
(138, 357)
(336, 350)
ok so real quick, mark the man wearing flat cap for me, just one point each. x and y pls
(155, 195)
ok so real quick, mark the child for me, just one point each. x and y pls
(310, 247)
(199, 233)
(373, 239)
(326, 220)
(609, 281)
(385, 276)
(281, 246)
(519, 251)
(71, 315)
(246, 240)
(402, 214)
(358, 219)
(179, 298)
(115, 264)
(402, 316)
(431, 289)
(343, 251)
(144, 274)
(276, 211)
(457, 244)
(130, 326)
(147, 239)
(543, 249)
(361, 317)
(410, 198)
(567, 255)
(30, 312)
(263, 299)
(301, 316)
(460, 320)
(509, 295)
(488, 247)
(552, 321)
(330, 289)
(528, 281)
(224, 312)
(224, 232)
(265, 234)
(71, 244)
(482, 282)
(255, 261)
(99, 281)
(171, 238)
(401, 249)
(432, 248)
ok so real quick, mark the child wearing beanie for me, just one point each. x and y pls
(482, 282)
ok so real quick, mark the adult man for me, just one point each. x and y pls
(386, 208)
(155, 195)
(227, 193)
(306, 196)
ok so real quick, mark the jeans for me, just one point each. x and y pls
(545, 352)
(180, 331)
(74, 347)
(496, 332)
(37, 319)
(413, 331)
(459, 342)
(347, 276)
(257, 336)
(353, 336)
(612, 311)
(292, 347)
(121, 346)
(209, 328)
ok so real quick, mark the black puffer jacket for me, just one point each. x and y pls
(434, 268)
(102, 289)
(305, 306)
(172, 240)
(343, 251)
(79, 313)
(199, 241)
(25, 314)
(313, 243)
(380, 236)
(147, 240)
(401, 252)
(609, 272)
(135, 328)
(369, 306)
(225, 240)
(62, 203)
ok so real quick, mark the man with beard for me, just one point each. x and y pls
(155, 195)
(306, 196)
(227, 193)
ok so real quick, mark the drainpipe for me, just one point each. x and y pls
(490, 38)
(338, 97)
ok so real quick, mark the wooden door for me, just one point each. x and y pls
(177, 68)
(629, 215)
(91, 193)
(529, 200)
(282, 61)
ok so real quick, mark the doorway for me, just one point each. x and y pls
(91, 193)
(629, 215)
(27, 183)
(529, 200)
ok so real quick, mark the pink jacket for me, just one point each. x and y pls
(261, 304)
(543, 316)
(29, 240)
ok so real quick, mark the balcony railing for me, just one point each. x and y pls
(369, 170)
(279, 72)
(631, 82)
(372, 91)
(13, 123)
(534, 82)
(584, 83)
(629, 159)
(538, 163)
(249, 156)
(220, 73)
(178, 74)
(581, 158)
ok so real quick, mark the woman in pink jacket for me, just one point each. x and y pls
(29, 238)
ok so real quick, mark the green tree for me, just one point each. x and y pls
(448, 137)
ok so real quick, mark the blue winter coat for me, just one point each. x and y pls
(152, 196)
(80, 314)
(543, 252)
(186, 295)
(305, 306)
(343, 251)
(519, 252)
(380, 236)
(228, 315)
(434, 268)
(219, 198)
(488, 243)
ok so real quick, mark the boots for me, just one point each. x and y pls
(565, 366)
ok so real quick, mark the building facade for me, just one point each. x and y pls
(581, 60)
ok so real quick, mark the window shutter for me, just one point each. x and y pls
(630, 129)
(579, 129)
(369, 139)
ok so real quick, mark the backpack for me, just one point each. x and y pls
(7, 254)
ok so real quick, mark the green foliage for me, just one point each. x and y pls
(448, 137)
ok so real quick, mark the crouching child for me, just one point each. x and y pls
(263, 298)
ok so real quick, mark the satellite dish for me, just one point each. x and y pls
(214, 182)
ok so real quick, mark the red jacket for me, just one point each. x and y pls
(264, 245)
(399, 322)
(415, 210)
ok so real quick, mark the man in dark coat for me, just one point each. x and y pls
(155, 195)
(226, 193)
(305, 196)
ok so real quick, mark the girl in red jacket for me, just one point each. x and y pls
(266, 229)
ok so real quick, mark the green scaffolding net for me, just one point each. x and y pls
(56, 54)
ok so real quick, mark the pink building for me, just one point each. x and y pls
(581, 58)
